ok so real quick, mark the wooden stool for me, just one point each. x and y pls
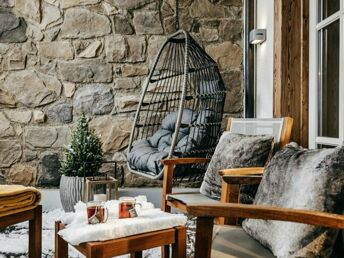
(34, 216)
(133, 245)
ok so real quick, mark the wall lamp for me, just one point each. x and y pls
(257, 36)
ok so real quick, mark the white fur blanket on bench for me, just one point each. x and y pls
(149, 219)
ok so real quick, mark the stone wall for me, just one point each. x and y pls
(58, 57)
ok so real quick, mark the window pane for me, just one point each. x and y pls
(329, 81)
(327, 8)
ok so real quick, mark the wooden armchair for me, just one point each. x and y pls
(235, 242)
(280, 128)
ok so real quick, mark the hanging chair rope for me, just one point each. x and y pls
(177, 15)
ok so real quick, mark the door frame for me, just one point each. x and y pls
(291, 49)
(314, 139)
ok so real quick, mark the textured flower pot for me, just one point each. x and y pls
(71, 191)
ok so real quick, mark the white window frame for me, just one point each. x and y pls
(314, 77)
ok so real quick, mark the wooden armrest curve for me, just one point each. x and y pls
(267, 213)
(184, 161)
(242, 171)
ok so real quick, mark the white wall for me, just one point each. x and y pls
(264, 60)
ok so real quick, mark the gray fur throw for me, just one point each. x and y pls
(302, 179)
(235, 151)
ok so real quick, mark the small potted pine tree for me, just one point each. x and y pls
(83, 158)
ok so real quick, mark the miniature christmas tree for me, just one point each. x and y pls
(84, 155)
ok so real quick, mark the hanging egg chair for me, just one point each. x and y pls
(180, 110)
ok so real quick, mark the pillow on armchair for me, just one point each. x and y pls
(235, 151)
(302, 179)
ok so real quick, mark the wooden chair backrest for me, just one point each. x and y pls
(280, 128)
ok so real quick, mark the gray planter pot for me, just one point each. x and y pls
(71, 191)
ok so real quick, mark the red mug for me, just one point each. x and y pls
(127, 208)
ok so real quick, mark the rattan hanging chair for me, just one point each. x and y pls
(180, 110)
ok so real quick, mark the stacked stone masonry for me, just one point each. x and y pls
(59, 57)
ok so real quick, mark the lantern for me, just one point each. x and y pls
(101, 188)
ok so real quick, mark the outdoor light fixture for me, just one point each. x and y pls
(257, 36)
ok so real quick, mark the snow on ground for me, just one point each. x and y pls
(14, 239)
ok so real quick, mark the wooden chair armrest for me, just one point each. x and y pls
(242, 171)
(242, 179)
(168, 175)
(230, 192)
(267, 213)
(184, 161)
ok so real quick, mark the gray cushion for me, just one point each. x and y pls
(304, 179)
(233, 242)
(157, 136)
(200, 134)
(146, 154)
(169, 122)
(235, 151)
(189, 198)
(142, 152)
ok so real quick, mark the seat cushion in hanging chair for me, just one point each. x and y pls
(144, 157)
(197, 135)
(146, 154)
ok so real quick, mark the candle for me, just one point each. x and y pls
(99, 197)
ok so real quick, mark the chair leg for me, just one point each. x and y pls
(61, 246)
(339, 246)
(35, 234)
(165, 251)
(204, 237)
(167, 187)
(95, 252)
(179, 247)
(229, 194)
(136, 255)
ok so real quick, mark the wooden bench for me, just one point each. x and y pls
(34, 216)
(133, 245)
